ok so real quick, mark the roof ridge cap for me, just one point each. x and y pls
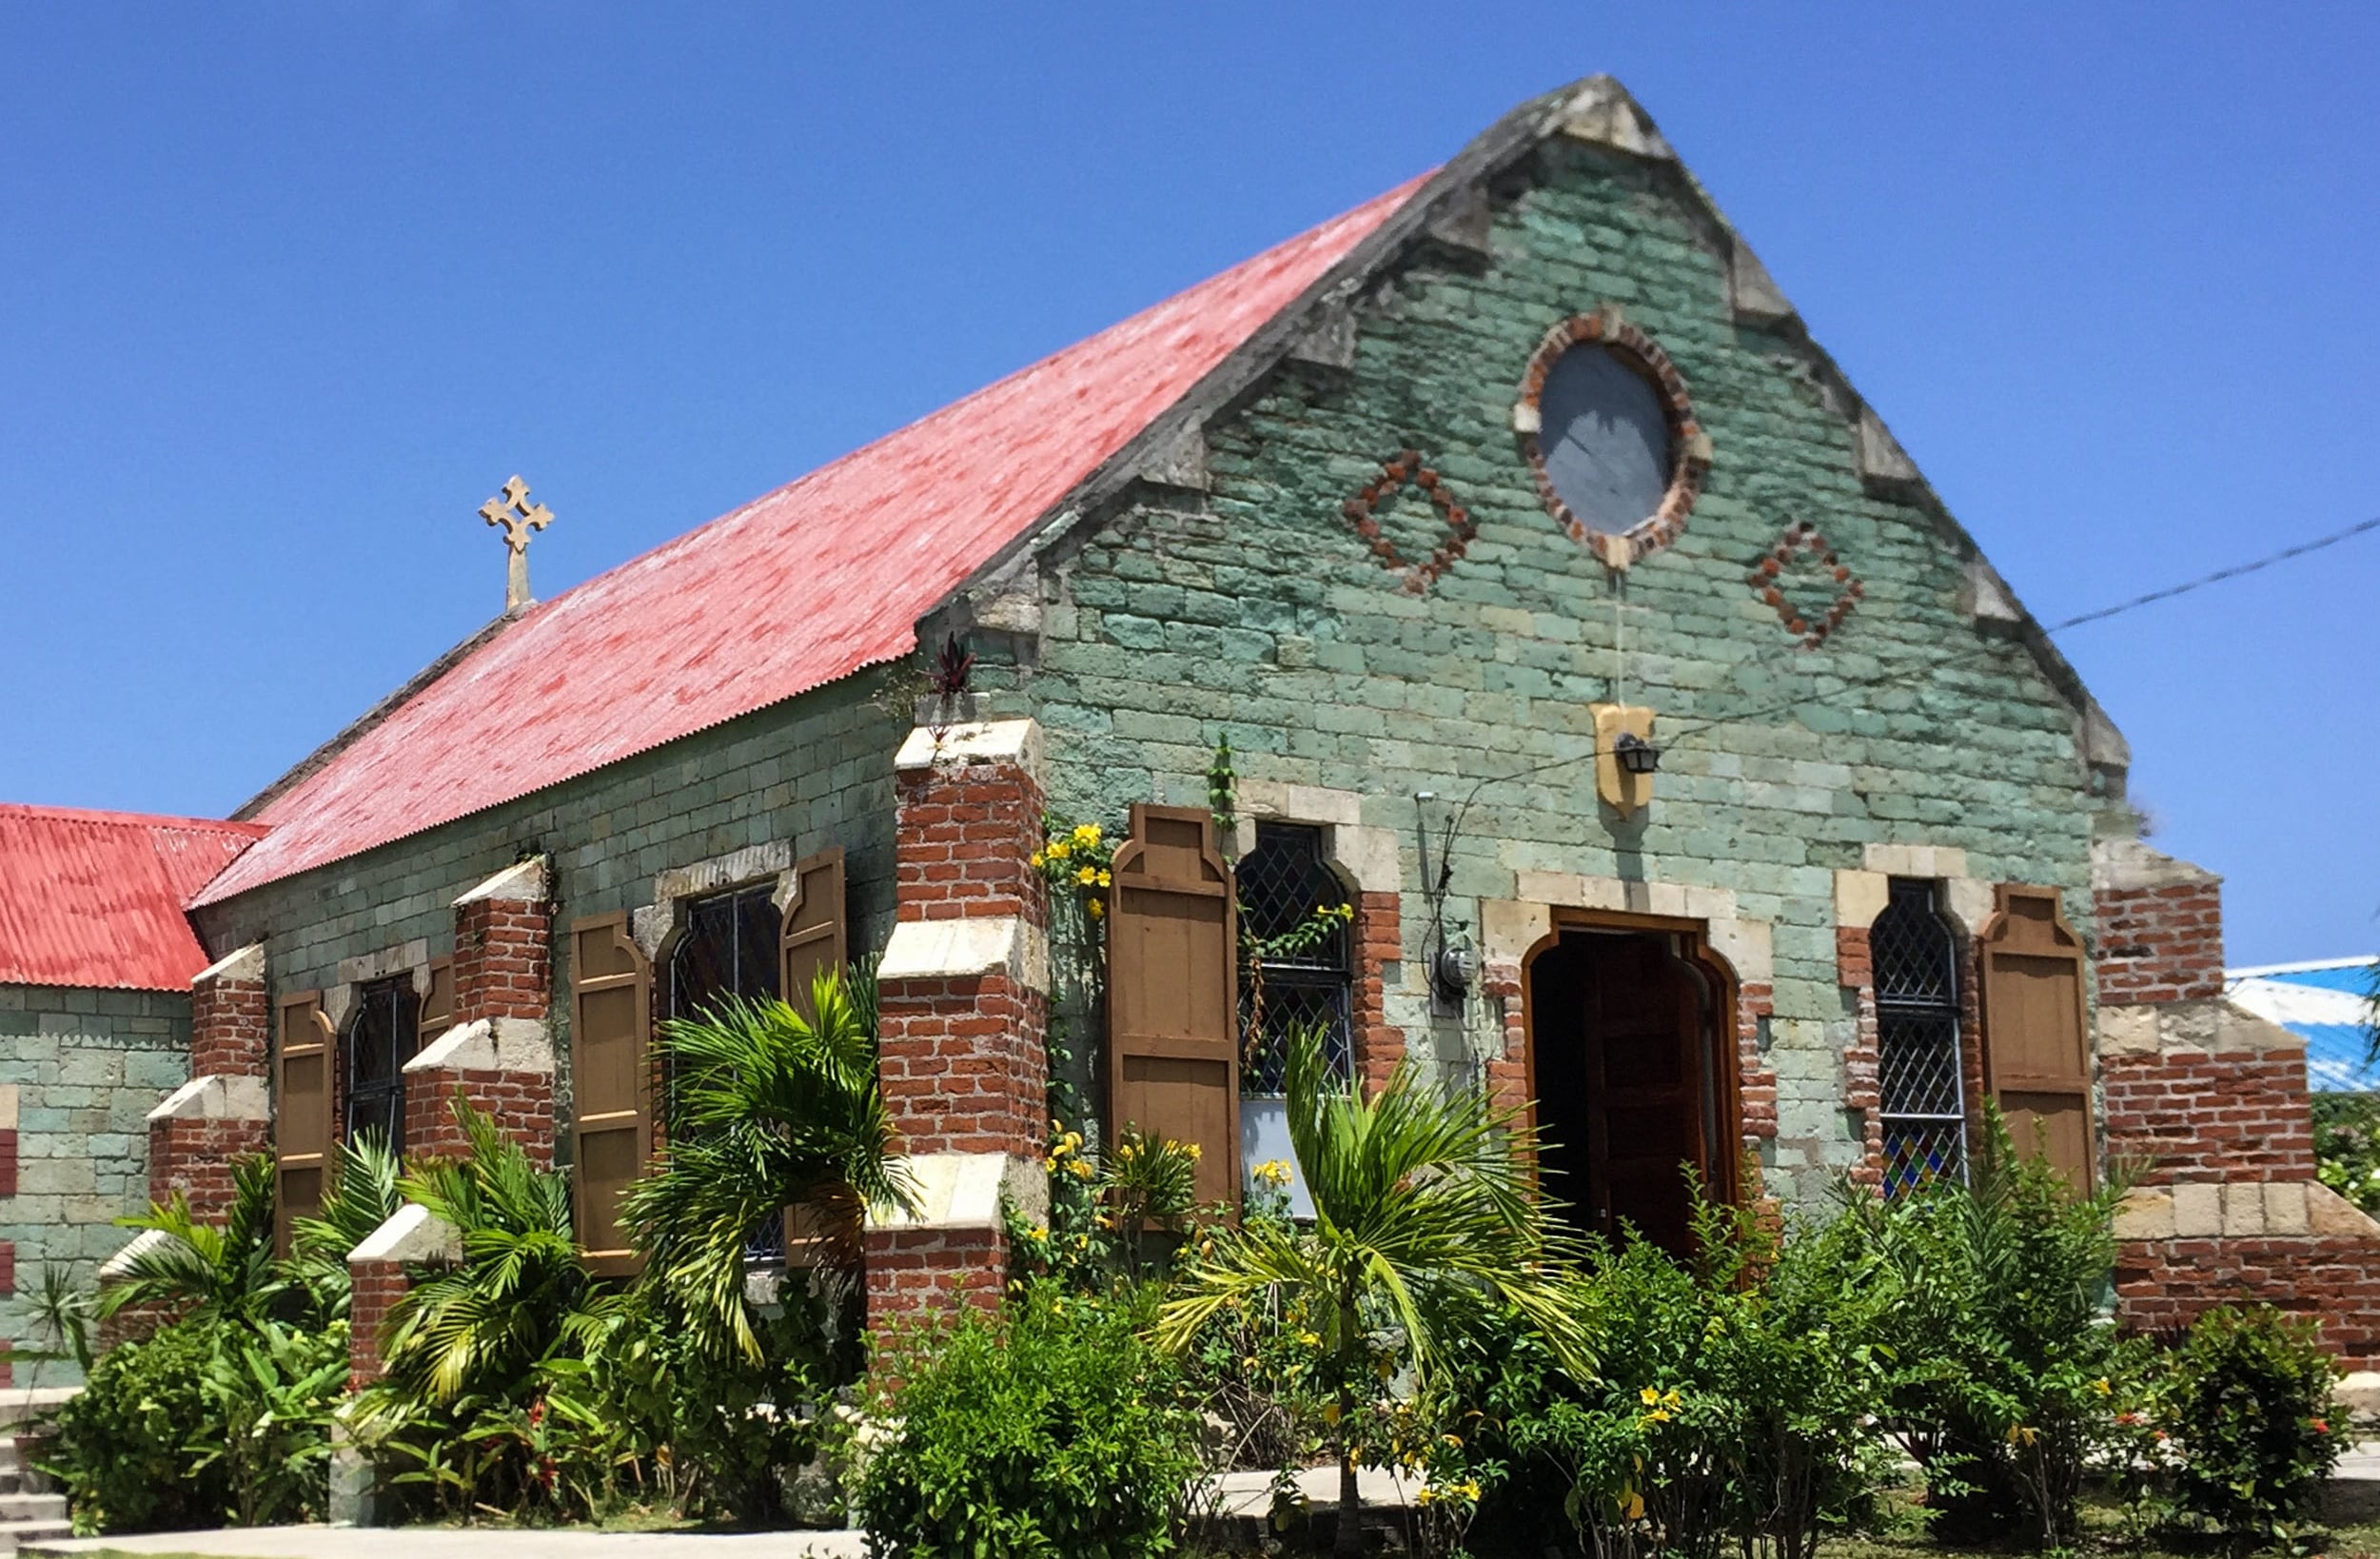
(132, 819)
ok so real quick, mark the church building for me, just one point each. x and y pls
(1501, 561)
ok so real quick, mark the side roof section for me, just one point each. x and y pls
(94, 898)
(801, 587)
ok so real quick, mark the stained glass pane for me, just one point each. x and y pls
(1919, 1152)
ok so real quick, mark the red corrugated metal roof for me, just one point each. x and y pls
(789, 592)
(94, 898)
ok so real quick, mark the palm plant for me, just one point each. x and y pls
(222, 1271)
(1422, 1204)
(62, 1310)
(361, 1196)
(520, 1288)
(773, 1109)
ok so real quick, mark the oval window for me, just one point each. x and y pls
(1605, 437)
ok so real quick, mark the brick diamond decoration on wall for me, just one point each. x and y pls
(1363, 512)
(1769, 582)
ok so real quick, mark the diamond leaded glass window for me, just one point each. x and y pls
(729, 949)
(1921, 1083)
(1280, 883)
(382, 1033)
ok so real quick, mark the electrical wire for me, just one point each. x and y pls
(1906, 672)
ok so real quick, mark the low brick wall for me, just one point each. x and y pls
(2166, 1284)
(2193, 1115)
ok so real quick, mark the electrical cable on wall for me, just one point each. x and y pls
(1927, 666)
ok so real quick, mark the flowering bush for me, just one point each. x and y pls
(1103, 1211)
(2246, 1400)
(1077, 861)
(1736, 1408)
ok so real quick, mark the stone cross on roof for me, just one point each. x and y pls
(512, 509)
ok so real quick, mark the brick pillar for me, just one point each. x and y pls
(2161, 926)
(963, 993)
(500, 1052)
(412, 1237)
(1379, 942)
(1864, 1057)
(224, 1111)
(2207, 1104)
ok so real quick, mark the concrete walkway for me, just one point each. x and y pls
(471, 1543)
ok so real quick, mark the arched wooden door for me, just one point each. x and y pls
(1629, 1089)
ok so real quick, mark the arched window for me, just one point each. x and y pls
(384, 1031)
(1281, 989)
(1921, 1082)
(729, 949)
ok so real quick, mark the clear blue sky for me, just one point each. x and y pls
(289, 287)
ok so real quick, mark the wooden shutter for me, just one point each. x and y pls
(305, 1050)
(813, 937)
(2036, 1047)
(611, 997)
(1173, 1001)
(438, 1004)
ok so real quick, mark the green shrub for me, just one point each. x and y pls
(1049, 1429)
(123, 1446)
(1735, 1410)
(2245, 1403)
(271, 1390)
(2008, 1376)
(2347, 1146)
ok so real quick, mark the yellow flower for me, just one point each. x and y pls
(1426, 1496)
(1194, 1151)
(1081, 1169)
(1649, 1397)
(1087, 834)
(1059, 849)
(1088, 876)
(1034, 860)
(1272, 1173)
(1041, 1233)
(1096, 909)
(1106, 880)
(2101, 1387)
(1309, 1339)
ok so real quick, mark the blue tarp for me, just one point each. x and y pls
(2329, 1003)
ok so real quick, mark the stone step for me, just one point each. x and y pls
(32, 1507)
(15, 1534)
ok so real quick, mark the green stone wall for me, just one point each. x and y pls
(1254, 609)
(89, 1066)
(816, 771)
